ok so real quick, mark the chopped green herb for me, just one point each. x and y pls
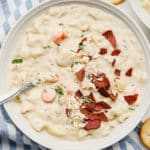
(113, 117)
(89, 77)
(87, 99)
(112, 126)
(130, 108)
(71, 122)
(90, 41)
(74, 63)
(81, 45)
(73, 51)
(122, 120)
(59, 90)
(48, 46)
(17, 61)
(82, 35)
(61, 24)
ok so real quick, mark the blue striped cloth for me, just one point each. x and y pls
(10, 137)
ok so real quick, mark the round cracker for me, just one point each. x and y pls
(116, 2)
(145, 133)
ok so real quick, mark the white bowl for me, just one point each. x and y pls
(140, 12)
(43, 138)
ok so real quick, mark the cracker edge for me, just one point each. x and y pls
(116, 2)
(141, 137)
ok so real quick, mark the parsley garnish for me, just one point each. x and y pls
(17, 61)
(74, 63)
(61, 24)
(81, 45)
(82, 35)
(59, 90)
(73, 51)
(90, 41)
(48, 46)
(87, 99)
(130, 108)
(89, 77)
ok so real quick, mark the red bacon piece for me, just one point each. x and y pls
(89, 106)
(129, 72)
(90, 57)
(91, 96)
(79, 49)
(92, 106)
(97, 107)
(131, 99)
(84, 39)
(68, 112)
(103, 83)
(100, 75)
(93, 77)
(114, 62)
(85, 111)
(117, 72)
(103, 92)
(92, 124)
(78, 94)
(103, 117)
(80, 74)
(107, 93)
(104, 105)
(110, 37)
(91, 116)
(102, 51)
(112, 96)
(116, 52)
(99, 116)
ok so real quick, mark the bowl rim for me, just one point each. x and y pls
(140, 13)
(131, 23)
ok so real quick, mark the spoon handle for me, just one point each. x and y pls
(11, 94)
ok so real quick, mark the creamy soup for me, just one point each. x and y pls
(88, 70)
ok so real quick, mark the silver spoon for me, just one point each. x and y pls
(11, 94)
